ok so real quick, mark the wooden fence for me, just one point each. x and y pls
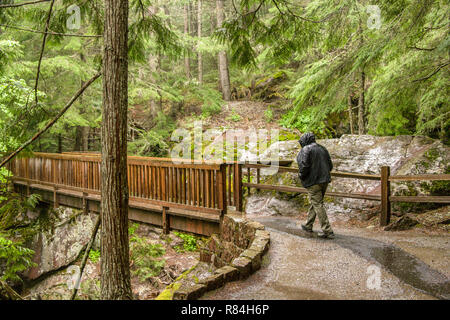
(207, 187)
(384, 177)
(199, 187)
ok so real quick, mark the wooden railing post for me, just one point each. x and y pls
(258, 178)
(238, 186)
(85, 203)
(165, 220)
(55, 197)
(222, 191)
(385, 214)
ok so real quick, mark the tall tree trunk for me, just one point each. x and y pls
(361, 107)
(115, 266)
(350, 113)
(199, 34)
(223, 61)
(85, 138)
(59, 143)
(82, 132)
(153, 62)
(187, 62)
(192, 19)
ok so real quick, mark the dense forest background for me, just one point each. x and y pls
(331, 67)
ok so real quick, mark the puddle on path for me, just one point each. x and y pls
(400, 263)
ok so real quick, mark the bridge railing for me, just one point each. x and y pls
(385, 191)
(197, 186)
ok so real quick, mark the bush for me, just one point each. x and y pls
(145, 258)
(189, 242)
(17, 258)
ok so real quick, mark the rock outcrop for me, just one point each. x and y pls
(62, 242)
(406, 155)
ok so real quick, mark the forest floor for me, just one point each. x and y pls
(144, 258)
(243, 114)
(362, 262)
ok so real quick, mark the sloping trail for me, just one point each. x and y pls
(298, 266)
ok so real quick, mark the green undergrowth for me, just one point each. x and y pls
(145, 257)
(189, 242)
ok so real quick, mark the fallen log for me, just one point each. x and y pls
(8, 293)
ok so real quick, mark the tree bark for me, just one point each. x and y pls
(187, 62)
(361, 106)
(199, 34)
(223, 61)
(115, 267)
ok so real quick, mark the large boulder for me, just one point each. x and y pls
(62, 242)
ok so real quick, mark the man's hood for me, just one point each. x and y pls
(306, 139)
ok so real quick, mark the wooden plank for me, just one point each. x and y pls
(188, 186)
(79, 193)
(228, 168)
(303, 190)
(170, 181)
(248, 180)
(425, 199)
(197, 187)
(211, 188)
(431, 177)
(333, 173)
(163, 184)
(207, 188)
(385, 214)
(222, 192)
(238, 195)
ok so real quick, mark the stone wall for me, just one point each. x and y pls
(237, 252)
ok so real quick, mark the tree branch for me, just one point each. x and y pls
(21, 4)
(422, 49)
(53, 33)
(86, 256)
(53, 121)
(47, 23)
(300, 17)
(434, 72)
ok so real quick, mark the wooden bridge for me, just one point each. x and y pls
(191, 197)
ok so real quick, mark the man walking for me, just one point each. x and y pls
(314, 163)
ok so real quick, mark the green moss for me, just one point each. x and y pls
(167, 293)
(432, 154)
(285, 135)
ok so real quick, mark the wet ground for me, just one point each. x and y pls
(357, 264)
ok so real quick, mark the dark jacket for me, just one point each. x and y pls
(314, 162)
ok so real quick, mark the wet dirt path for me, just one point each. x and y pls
(357, 264)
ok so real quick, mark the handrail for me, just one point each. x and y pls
(188, 185)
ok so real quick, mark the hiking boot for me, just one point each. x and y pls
(326, 235)
(305, 228)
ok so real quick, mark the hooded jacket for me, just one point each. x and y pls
(314, 162)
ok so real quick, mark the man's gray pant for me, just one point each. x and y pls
(316, 193)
